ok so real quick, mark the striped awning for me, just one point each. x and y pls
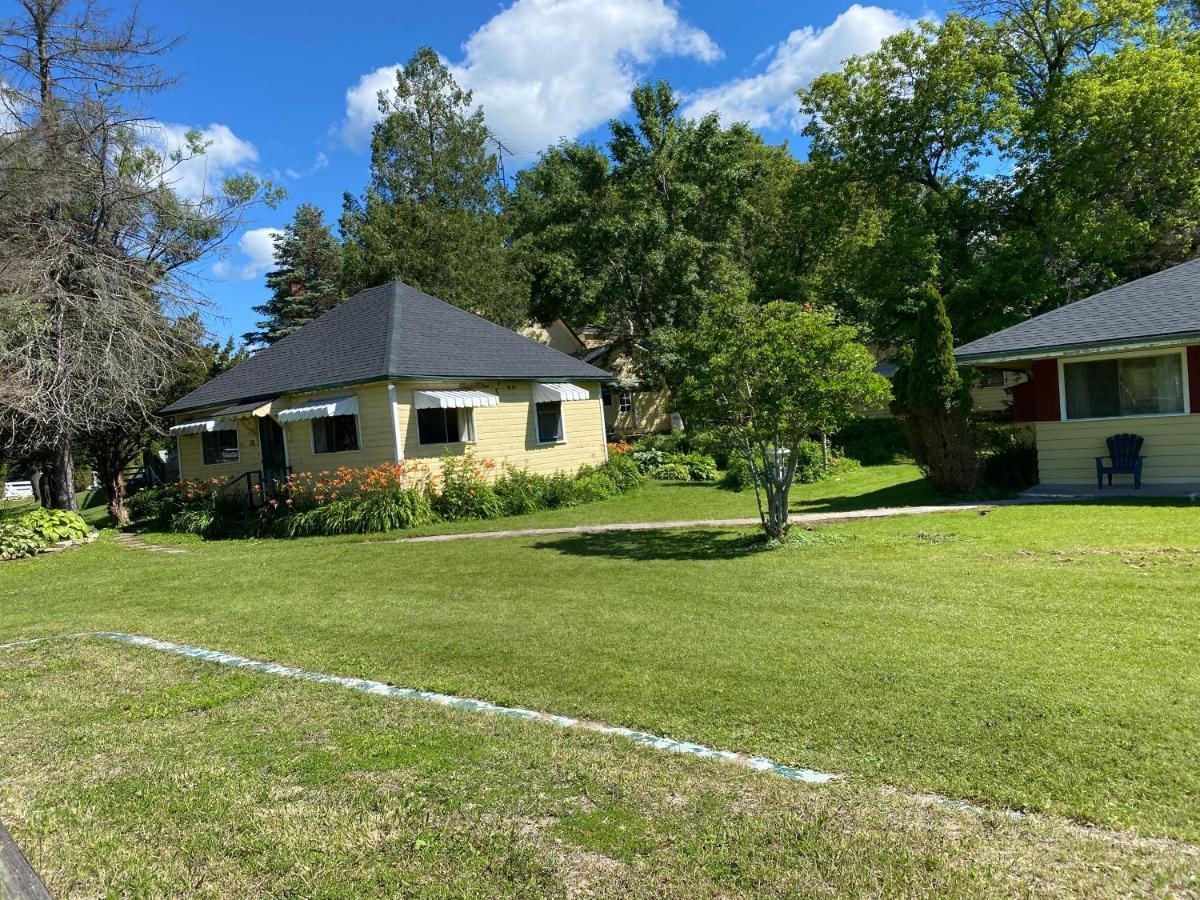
(558, 393)
(319, 409)
(202, 425)
(453, 399)
(258, 408)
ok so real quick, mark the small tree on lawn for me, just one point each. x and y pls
(933, 401)
(766, 378)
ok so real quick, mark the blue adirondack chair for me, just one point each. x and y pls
(1125, 456)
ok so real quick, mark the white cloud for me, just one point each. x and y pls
(545, 69)
(768, 99)
(226, 154)
(257, 249)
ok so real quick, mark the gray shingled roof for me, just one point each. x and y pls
(390, 331)
(1163, 305)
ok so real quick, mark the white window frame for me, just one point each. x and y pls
(1064, 361)
(562, 426)
(237, 439)
(312, 435)
(469, 428)
(625, 401)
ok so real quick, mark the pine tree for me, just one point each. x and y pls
(306, 281)
(430, 216)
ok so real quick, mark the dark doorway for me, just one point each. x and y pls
(274, 454)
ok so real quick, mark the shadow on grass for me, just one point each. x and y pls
(909, 493)
(691, 544)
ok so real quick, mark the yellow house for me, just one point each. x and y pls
(1124, 361)
(392, 374)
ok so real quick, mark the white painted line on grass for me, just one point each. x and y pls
(658, 742)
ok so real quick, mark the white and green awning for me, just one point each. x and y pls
(319, 409)
(558, 392)
(202, 425)
(453, 399)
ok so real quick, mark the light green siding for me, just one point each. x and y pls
(1067, 450)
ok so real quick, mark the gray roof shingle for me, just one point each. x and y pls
(390, 331)
(1165, 304)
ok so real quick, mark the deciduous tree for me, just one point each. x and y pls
(767, 378)
(95, 246)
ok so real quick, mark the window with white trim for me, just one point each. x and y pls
(219, 447)
(445, 426)
(549, 423)
(1125, 386)
(626, 401)
(335, 434)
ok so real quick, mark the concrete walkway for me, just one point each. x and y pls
(799, 519)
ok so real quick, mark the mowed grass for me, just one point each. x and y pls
(126, 773)
(1041, 658)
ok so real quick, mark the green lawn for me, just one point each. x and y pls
(1041, 658)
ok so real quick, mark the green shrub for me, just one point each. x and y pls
(873, 442)
(559, 491)
(667, 466)
(623, 470)
(700, 466)
(671, 470)
(17, 541)
(1007, 458)
(738, 476)
(592, 485)
(53, 525)
(465, 493)
(810, 467)
(521, 491)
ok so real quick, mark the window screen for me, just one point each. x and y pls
(219, 447)
(1134, 386)
(335, 434)
(549, 422)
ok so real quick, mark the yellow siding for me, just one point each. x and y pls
(508, 433)
(191, 459)
(1067, 450)
(376, 443)
(650, 413)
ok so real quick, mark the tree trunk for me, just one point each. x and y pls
(114, 490)
(824, 450)
(62, 478)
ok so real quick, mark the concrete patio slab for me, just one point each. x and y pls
(1189, 491)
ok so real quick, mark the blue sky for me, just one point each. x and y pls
(286, 89)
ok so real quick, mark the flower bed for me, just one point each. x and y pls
(389, 497)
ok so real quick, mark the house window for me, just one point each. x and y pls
(335, 434)
(444, 426)
(549, 423)
(1129, 386)
(219, 447)
(992, 378)
(626, 401)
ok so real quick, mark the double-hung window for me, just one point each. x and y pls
(550, 423)
(626, 403)
(219, 446)
(444, 426)
(335, 434)
(1125, 386)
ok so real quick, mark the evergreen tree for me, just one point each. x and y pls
(430, 216)
(933, 401)
(306, 281)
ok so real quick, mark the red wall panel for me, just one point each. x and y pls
(1037, 399)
